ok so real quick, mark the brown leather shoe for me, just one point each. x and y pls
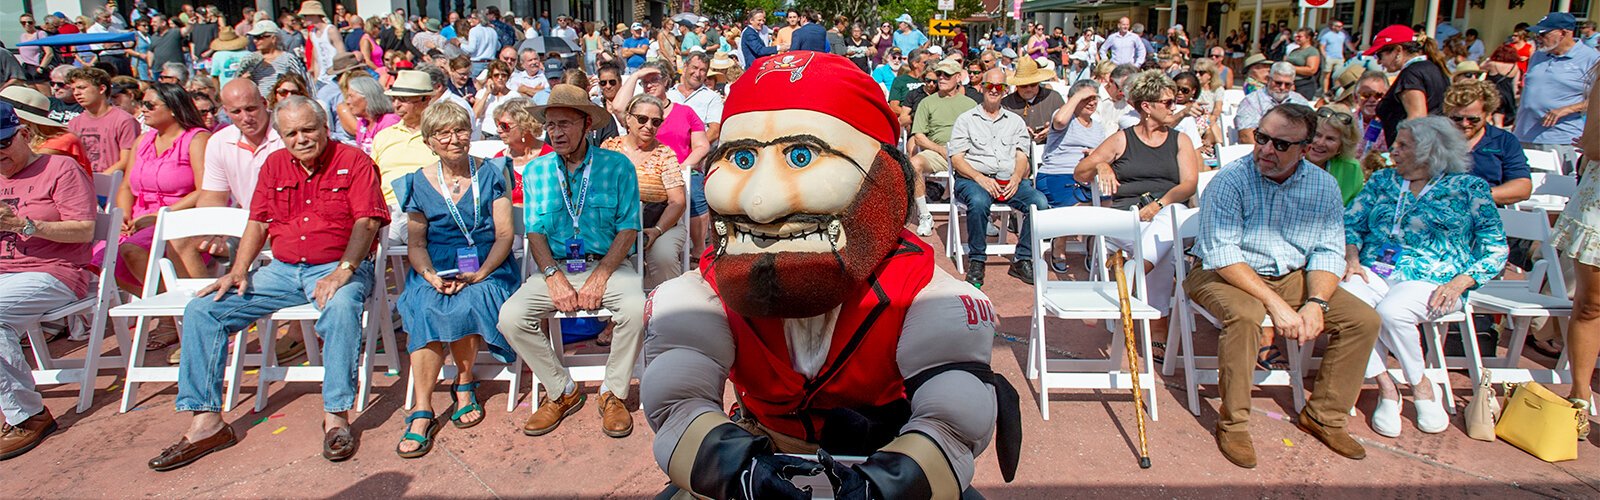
(15, 441)
(1237, 448)
(338, 444)
(185, 452)
(615, 419)
(552, 412)
(1337, 440)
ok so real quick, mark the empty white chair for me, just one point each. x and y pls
(1227, 154)
(1095, 299)
(1542, 295)
(1544, 161)
(103, 296)
(1551, 191)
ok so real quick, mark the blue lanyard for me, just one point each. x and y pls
(575, 212)
(1400, 202)
(449, 203)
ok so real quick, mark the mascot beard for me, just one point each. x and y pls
(802, 284)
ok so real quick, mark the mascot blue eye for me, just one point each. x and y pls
(800, 156)
(744, 159)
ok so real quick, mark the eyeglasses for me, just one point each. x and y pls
(286, 91)
(1342, 117)
(148, 104)
(205, 111)
(609, 82)
(444, 135)
(1281, 85)
(1165, 103)
(1367, 94)
(1278, 144)
(1186, 90)
(645, 120)
(993, 88)
(1471, 120)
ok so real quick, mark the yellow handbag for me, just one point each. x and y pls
(1540, 423)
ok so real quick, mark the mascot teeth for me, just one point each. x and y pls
(834, 230)
(722, 228)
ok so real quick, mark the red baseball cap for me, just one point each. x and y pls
(1398, 33)
(818, 81)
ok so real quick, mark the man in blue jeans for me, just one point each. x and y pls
(320, 206)
(989, 149)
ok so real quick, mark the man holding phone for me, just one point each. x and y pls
(1030, 100)
(989, 154)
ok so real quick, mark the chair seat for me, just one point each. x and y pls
(1086, 300)
(1518, 301)
(78, 306)
(598, 313)
(302, 312)
(169, 303)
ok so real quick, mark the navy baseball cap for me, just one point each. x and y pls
(1555, 21)
(9, 123)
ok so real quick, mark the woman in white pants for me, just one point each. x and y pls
(1417, 238)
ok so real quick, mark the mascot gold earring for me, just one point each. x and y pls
(829, 317)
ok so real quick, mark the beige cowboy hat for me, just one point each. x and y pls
(312, 8)
(570, 96)
(410, 83)
(722, 61)
(1028, 73)
(1254, 59)
(31, 105)
(1345, 83)
(227, 40)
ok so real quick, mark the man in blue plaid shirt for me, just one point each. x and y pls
(582, 211)
(1271, 244)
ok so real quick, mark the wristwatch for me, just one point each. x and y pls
(1319, 302)
(551, 271)
(28, 228)
(347, 266)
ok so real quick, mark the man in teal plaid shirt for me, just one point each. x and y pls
(582, 211)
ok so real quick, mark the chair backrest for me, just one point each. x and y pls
(1553, 184)
(485, 148)
(1098, 224)
(105, 189)
(174, 225)
(1543, 161)
(1231, 98)
(1227, 154)
(108, 231)
(1185, 226)
(1202, 181)
(1535, 226)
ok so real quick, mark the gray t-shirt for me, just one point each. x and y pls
(164, 48)
(1064, 148)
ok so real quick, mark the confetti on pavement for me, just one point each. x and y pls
(280, 415)
(279, 431)
(1287, 442)
(251, 372)
(259, 422)
(113, 388)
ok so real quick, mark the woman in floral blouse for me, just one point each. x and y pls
(660, 188)
(1417, 238)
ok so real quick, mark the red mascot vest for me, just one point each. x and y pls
(861, 369)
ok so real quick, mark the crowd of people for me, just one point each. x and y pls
(1366, 206)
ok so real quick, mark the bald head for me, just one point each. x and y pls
(242, 100)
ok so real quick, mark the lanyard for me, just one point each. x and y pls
(583, 191)
(1400, 202)
(449, 203)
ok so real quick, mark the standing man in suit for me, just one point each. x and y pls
(810, 35)
(751, 45)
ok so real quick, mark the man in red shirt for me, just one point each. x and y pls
(320, 206)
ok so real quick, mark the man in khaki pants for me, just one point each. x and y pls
(582, 211)
(1271, 244)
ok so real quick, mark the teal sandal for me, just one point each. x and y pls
(471, 406)
(425, 441)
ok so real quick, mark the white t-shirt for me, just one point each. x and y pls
(705, 102)
(521, 78)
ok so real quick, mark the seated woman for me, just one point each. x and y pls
(168, 164)
(51, 210)
(365, 110)
(1154, 167)
(1497, 157)
(520, 132)
(1333, 147)
(50, 137)
(461, 271)
(1072, 136)
(660, 189)
(1417, 238)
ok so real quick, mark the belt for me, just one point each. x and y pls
(482, 60)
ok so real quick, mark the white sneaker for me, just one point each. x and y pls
(1431, 417)
(925, 225)
(1386, 418)
(993, 230)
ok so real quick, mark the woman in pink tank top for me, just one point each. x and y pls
(168, 163)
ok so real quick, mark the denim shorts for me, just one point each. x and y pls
(697, 194)
(1062, 190)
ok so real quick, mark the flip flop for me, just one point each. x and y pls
(1273, 360)
(424, 440)
(471, 406)
(1160, 358)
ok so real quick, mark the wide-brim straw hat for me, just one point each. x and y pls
(722, 61)
(410, 83)
(1028, 73)
(31, 105)
(1254, 59)
(312, 8)
(343, 63)
(227, 39)
(570, 96)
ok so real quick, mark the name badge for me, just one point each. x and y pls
(1388, 255)
(467, 259)
(575, 262)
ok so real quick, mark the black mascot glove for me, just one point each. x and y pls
(768, 476)
(849, 483)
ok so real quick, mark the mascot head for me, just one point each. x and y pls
(807, 192)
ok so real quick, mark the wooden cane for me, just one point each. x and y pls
(1117, 262)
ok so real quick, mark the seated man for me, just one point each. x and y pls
(1279, 90)
(47, 224)
(1271, 244)
(989, 149)
(319, 205)
(930, 130)
(581, 186)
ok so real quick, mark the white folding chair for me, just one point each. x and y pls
(1543, 161)
(105, 189)
(1542, 295)
(1095, 299)
(1227, 154)
(955, 244)
(1202, 182)
(1551, 191)
(155, 303)
(103, 297)
(1231, 98)
(684, 220)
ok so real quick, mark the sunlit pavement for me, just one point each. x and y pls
(1086, 449)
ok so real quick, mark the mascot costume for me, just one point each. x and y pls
(838, 333)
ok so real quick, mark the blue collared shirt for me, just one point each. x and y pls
(1498, 157)
(1554, 82)
(1273, 228)
(610, 206)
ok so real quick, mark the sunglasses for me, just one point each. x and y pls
(57, 85)
(1473, 120)
(500, 75)
(930, 82)
(1165, 103)
(505, 125)
(993, 88)
(1281, 85)
(1278, 144)
(1365, 94)
(147, 104)
(285, 91)
(610, 82)
(1186, 90)
(645, 120)
(1342, 117)
(6, 143)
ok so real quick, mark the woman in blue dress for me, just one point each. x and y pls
(461, 271)
(141, 50)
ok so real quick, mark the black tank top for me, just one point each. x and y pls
(1142, 169)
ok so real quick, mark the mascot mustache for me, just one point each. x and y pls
(803, 285)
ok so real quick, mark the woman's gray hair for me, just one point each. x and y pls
(1438, 145)
(647, 99)
(1083, 84)
(378, 104)
(442, 116)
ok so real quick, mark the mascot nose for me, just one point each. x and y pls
(765, 199)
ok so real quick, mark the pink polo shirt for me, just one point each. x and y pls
(232, 167)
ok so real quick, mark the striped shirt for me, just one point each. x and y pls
(610, 206)
(1273, 228)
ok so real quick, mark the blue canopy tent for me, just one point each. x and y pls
(83, 41)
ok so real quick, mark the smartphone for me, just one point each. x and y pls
(449, 274)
